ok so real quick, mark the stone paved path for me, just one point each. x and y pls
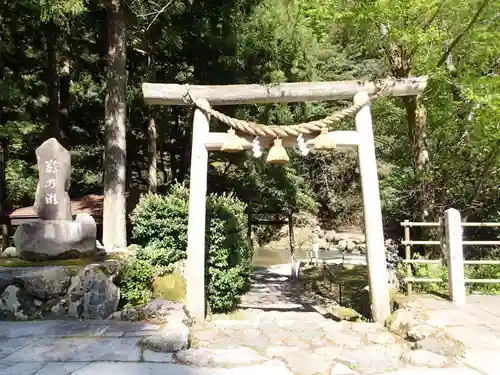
(279, 333)
(477, 326)
(280, 324)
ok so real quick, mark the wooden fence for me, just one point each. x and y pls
(451, 242)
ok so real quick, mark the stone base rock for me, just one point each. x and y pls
(92, 295)
(409, 322)
(43, 240)
(16, 304)
(157, 311)
(9, 252)
(430, 344)
(220, 357)
(56, 292)
(173, 338)
(422, 357)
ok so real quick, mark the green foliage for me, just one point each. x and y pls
(437, 271)
(229, 252)
(430, 271)
(160, 223)
(483, 271)
(60, 10)
(135, 282)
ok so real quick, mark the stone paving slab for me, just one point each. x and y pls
(148, 368)
(23, 368)
(78, 349)
(489, 304)
(478, 310)
(484, 360)
(436, 371)
(61, 368)
(62, 328)
(481, 336)
(107, 368)
(10, 345)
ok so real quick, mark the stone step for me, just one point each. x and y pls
(136, 368)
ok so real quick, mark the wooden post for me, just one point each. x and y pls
(195, 265)
(249, 219)
(454, 248)
(315, 246)
(409, 286)
(291, 239)
(377, 266)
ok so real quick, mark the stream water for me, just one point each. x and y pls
(264, 257)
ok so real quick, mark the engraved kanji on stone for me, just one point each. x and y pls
(54, 171)
(50, 198)
(51, 166)
(51, 184)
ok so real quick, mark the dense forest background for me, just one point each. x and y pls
(73, 69)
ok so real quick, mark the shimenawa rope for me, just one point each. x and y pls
(277, 131)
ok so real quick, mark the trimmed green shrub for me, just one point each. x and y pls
(160, 225)
(135, 282)
(229, 252)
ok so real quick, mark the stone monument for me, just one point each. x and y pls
(55, 235)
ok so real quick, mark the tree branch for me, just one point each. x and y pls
(158, 14)
(428, 24)
(488, 164)
(460, 36)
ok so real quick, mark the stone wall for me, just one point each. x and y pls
(59, 291)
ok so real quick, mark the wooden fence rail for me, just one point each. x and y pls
(452, 244)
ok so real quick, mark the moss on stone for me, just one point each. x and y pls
(389, 319)
(80, 262)
(345, 313)
(170, 287)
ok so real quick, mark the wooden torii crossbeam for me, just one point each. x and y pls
(204, 141)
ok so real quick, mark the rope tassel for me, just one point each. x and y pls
(301, 143)
(257, 152)
(277, 153)
(323, 141)
(232, 143)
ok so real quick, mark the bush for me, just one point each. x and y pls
(135, 282)
(229, 252)
(160, 225)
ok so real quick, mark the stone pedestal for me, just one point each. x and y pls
(57, 239)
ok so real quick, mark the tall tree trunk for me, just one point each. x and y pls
(64, 96)
(184, 141)
(417, 131)
(152, 158)
(161, 156)
(52, 80)
(400, 61)
(3, 196)
(114, 216)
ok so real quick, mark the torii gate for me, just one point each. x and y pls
(204, 141)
